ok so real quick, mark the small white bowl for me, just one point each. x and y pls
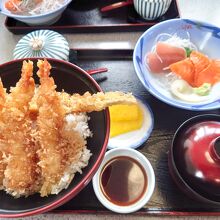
(135, 139)
(41, 19)
(151, 9)
(143, 161)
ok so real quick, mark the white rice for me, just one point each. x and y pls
(81, 121)
(82, 127)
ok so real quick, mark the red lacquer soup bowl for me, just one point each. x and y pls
(194, 158)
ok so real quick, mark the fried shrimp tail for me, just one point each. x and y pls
(21, 173)
(95, 102)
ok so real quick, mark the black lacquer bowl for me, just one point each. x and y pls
(72, 79)
(194, 158)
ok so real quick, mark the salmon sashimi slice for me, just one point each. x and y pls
(200, 62)
(197, 69)
(217, 68)
(184, 69)
(210, 74)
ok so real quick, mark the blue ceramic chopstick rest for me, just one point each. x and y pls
(42, 43)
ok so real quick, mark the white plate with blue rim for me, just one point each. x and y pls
(136, 138)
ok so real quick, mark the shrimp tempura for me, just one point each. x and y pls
(21, 173)
(95, 102)
(53, 152)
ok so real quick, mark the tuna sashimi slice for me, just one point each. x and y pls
(164, 55)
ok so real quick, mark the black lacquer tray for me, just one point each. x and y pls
(167, 198)
(84, 16)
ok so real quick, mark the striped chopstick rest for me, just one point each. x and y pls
(151, 9)
(42, 43)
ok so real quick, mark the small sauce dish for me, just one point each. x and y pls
(125, 180)
(136, 138)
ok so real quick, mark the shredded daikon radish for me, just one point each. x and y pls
(174, 40)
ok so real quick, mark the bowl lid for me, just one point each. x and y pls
(196, 150)
(42, 43)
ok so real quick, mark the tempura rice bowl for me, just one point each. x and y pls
(73, 80)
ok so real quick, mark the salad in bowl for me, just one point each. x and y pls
(34, 12)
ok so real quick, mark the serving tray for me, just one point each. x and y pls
(84, 16)
(167, 199)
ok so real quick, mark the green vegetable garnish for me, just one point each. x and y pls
(188, 51)
(203, 90)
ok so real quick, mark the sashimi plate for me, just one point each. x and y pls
(205, 36)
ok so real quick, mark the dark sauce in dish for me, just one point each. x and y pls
(123, 181)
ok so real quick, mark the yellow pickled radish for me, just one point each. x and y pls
(124, 112)
(125, 118)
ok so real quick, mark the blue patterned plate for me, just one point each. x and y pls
(135, 139)
(207, 39)
(42, 43)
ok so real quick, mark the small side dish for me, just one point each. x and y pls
(43, 141)
(125, 180)
(131, 125)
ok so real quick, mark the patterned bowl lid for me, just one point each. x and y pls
(42, 43)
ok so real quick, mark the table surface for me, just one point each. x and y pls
(205, 10)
